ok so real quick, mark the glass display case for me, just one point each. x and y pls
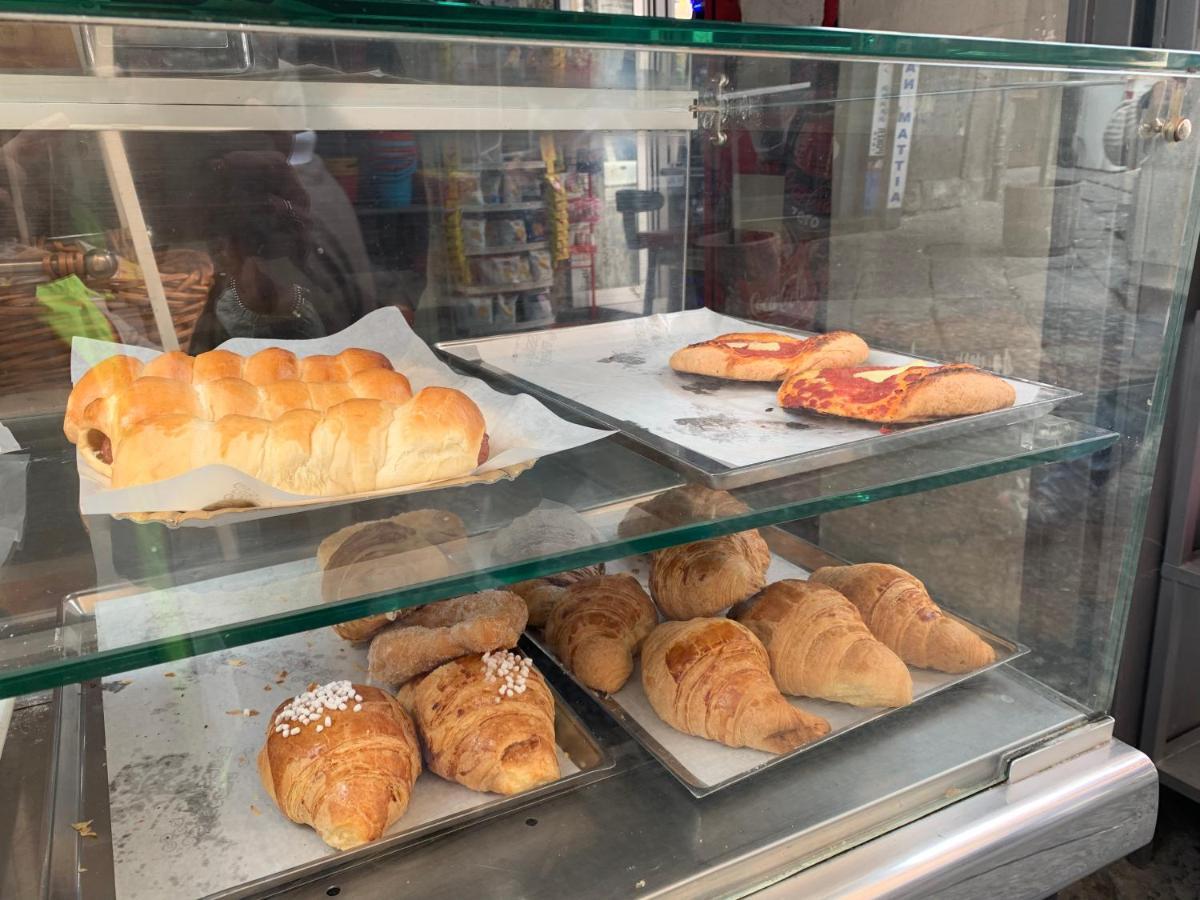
(949, 276)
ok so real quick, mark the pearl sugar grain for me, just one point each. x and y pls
(508, 668)
(310, 706)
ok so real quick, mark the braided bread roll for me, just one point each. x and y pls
(820, 647)
(712, 678)
(358, 445)
(705, 577)
(350, 780)
(106, 420)
(477, 734)
(116, 373)
(900, 612)
(598, 627)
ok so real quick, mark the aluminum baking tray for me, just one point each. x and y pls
(705, 766)
(166, 775)
(727, 434)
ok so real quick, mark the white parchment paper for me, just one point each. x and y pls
(621, 369)
(189, 814)
(520, 429)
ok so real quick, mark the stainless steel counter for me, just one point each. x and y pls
(640, 833)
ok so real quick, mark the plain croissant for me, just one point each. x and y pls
(712, 678)
(900, 612)
(117, 373)
(680, 506)
(349, 779)
(107, 420)
(358, 445)
(705, 577)
(541, 595)
(597, 627)
(480, 733)
(819, 646)
(386, 555)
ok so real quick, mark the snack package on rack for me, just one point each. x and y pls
(505, 309)
(541, 266)
(535, 227)
(534, 307)
(474, 236)
(510, 188)
(479, 309)
(500, 270)
(506, 232)
(490, 187)
(464, 187)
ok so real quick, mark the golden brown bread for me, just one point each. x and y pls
(911, 393)
(820, 647)
(358, 445)
(596, 629)
(680, 506)
(388, 554)
(426, 636)
(712, 678)
(769, 356)
(116, 373)
(349, 779)
(900, 612)
(705, 577)
(106, 420)
(486, 722)
(541, 595)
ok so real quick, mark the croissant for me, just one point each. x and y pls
(486, 722)
(597, 628)
(116, 373)
(106, 420)
(373, 557)
(712, 678)
(680, 506)
(342, 758)
(358, 445)
(819, 646)
(705, 577)
(541, 595)
(900, 612)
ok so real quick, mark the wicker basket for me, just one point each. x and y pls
(33, 356)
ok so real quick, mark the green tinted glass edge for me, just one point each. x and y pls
(463, 20)
(135, 656)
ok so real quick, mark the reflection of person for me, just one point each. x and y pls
(286, 242)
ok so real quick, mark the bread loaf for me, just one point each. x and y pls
(358, 445)
(116, 373)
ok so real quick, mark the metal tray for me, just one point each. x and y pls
(86, 782)
(636, 351)
(705, 766)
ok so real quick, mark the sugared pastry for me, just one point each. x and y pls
(343, 759)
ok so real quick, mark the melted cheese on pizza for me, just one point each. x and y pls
(881, 375)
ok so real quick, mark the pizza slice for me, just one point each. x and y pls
(910, 393)
(767, 355)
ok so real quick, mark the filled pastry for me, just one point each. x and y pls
(486, 722)
(343, 759)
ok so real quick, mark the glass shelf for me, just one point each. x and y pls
(523, 26)
(199, 589)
